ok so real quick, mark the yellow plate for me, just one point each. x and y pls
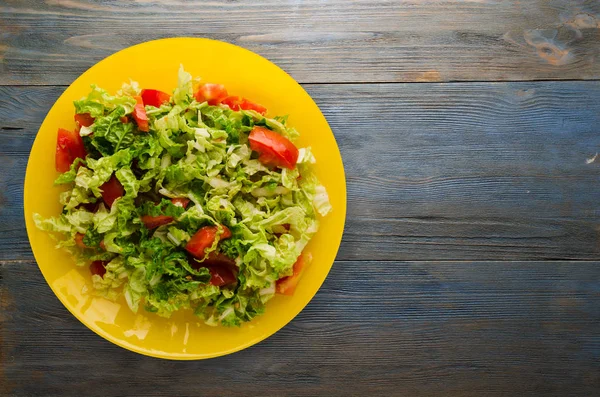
(154, 65)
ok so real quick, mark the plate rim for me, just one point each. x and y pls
(107, 335)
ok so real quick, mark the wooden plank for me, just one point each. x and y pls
(434, 171)
(374, 328)
(315, 40)
(468, 171)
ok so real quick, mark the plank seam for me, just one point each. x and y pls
(383, 82)
(457, 261)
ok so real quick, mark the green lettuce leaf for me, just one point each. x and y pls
(98, 102)
(184, 91)
(200, 152)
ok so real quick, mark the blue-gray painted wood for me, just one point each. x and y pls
(375, 328)
(317, 41)
(470, 264)
(461, 171)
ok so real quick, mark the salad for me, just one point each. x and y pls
(192, 200)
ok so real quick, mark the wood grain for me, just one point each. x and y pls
(317, 41)
(470, 263)
(458, 171)
(375, 328)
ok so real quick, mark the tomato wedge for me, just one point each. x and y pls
(204, 238)
(155, 97)
(234, 102)
(90, 207)
(152, 222)
(181, 201)
(112, 190)
(221, 275)
(219, 259)
(274, 149)
(84, 119)
(211, 93)
(287, 285)
(221, 267)
(213, 259)
(237, 103)
(62, 159)
(98, 267)
(79, 241)
(249, 105)
(139, 115)
(69, 146)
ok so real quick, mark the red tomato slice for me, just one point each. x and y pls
(98, 267)
(234, 102)
(226, 232)
(62, 158)
(211, 93)
(248, 105)
(152, 222)
(91, 207)
(77, 146)
(213, 259)
(221, 275)
(203, 239)
(112, 190)
(274, 149)
(155, 97)
(222, 268)
(287, 285)
(69, 146)
(181, 201)
(237, 103)
(84, 119)
(79, 241)
(219, 259)
(268, 160)
(139, 115)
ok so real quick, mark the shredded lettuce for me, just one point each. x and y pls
(193, 151)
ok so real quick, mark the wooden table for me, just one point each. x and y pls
(470, 263)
